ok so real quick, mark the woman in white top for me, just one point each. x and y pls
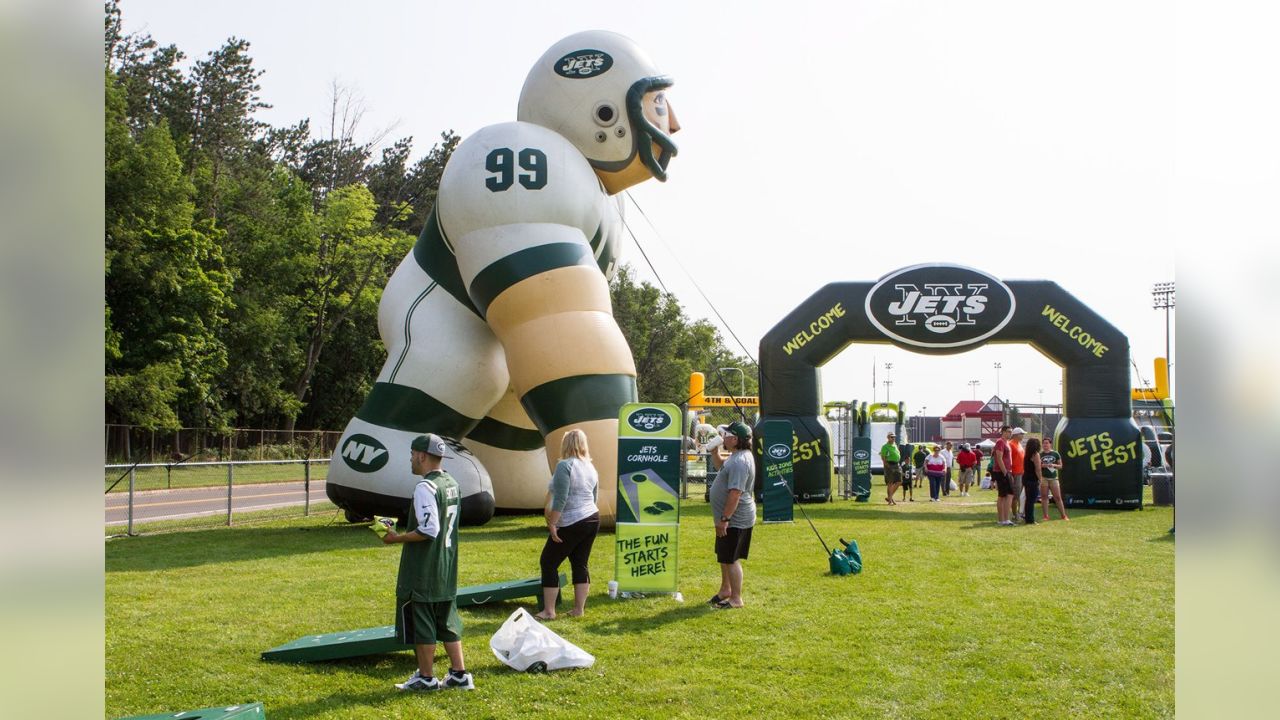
(572, 523)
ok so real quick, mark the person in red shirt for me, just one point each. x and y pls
(967, 461)
(1002, 476)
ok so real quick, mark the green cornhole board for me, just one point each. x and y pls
(506, 590)
(252, 710)
(375, 640)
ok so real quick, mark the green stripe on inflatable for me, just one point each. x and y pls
(496, 433)
(502, 274)
(409, 409)
(437, 260)
(576, 399)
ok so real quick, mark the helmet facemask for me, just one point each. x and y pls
(647, 134)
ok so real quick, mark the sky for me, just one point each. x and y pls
(822, 142)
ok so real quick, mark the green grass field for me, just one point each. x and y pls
(953, 617)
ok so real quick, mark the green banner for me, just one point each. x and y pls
(779, 487)
(860, 453)
(648, 526)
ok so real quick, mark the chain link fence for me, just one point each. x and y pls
(131, 443)
(156, 497)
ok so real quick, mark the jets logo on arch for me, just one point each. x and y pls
(779, 451)
(364, 454)
(940, 306)
(649, 420)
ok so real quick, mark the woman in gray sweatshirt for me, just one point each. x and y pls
(572, 523)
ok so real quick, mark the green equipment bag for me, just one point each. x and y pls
(839, 563)
(852, 555)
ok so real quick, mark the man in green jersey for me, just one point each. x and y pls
(427, 585)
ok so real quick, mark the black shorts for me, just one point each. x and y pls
(1004, 484)
(734, 546)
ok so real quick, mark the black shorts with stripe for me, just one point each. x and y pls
(426, 623)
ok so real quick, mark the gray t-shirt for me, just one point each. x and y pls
(573, 491)
(738, 473)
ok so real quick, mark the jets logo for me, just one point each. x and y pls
(364, 454)
(649, 420)
(779, 451)
(584, 64)
(861, 454)
(939, 306)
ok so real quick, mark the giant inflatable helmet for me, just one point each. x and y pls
(590, 88)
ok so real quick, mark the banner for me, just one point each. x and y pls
(649, 454)
(860, 451)
(778, 484)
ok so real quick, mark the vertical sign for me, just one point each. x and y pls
(650, 450)
(860, 452)
(779, 487)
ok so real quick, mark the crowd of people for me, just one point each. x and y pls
(1022, 474)
(426, 587)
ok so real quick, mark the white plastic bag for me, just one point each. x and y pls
(954, 486)
(524, 644)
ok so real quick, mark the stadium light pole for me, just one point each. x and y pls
(973, 389)
(888, 380)
(997, 367)
(1163, 299)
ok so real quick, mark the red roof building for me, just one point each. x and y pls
(973, 420)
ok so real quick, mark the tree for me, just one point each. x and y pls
(226, 97)
(167, 289)
(667, 347)
(349, 271)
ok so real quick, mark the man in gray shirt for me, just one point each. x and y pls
(733, 506)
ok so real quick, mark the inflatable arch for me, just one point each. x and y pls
(948, 309)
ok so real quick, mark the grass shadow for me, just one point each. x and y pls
(498, 531)
(629, 625)
(194, 548)
(341, 700)
(884, 513)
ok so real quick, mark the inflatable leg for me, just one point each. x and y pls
(511, 449)
(444, 370)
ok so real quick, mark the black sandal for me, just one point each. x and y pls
(715, 599)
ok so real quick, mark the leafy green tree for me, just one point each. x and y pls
(666, 345)
(349, 270)
(167, 288)
(223, 127)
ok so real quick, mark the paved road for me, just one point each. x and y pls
(194, 502)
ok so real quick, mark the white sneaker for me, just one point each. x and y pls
(418, 683)
(455, 682)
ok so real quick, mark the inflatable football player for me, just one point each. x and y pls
(498, 325)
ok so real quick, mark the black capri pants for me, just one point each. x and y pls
(575, 543)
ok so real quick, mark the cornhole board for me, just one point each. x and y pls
(375, 640)
(228, 712)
